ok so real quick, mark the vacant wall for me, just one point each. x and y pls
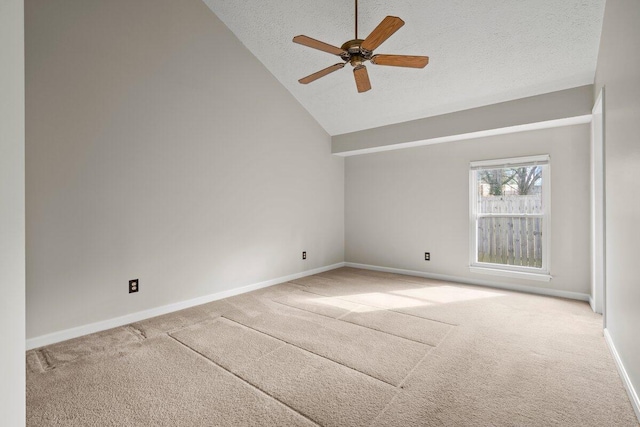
(159, 148)
(400, 204)
(12, 220)
(619, 71)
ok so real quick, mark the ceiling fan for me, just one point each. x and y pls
(358, 51)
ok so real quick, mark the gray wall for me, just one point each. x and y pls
(400, 204)
(12, 214)
(619, 71)
(159, 148)
(563, 104)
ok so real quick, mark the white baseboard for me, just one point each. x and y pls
(592, 303)
(103, 325)
(628, 385)
(507, 286)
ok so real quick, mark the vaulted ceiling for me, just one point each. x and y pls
(481, 52)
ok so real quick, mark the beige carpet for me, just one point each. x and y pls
(344, 348)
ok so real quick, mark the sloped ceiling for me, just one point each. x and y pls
(481, 52)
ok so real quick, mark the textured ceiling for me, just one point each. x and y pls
(481, 52)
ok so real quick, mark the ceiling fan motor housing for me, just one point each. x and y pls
(354, 53)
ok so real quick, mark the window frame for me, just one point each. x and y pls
(543, 273)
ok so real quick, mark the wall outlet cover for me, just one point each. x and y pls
(134, 286)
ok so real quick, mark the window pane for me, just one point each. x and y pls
(510, 190)
(510, 241)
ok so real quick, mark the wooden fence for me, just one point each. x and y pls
(531, 204)
(507, 239)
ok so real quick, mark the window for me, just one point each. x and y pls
(510, 217)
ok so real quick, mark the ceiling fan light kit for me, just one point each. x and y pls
(357, 51)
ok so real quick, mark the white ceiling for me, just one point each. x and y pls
(481, 52)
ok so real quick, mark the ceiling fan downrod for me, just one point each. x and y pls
(356, 19)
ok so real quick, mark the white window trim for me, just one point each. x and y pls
(540, 274)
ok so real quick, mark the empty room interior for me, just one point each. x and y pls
(337, 213)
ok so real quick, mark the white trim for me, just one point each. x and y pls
(569, 121)
(598, 190)
(541, 159)
(165, 309)
(506, 286)
(541, 277)
(628, 385)
(592, 304)
(548, 218)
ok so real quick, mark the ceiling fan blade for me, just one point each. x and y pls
(317, 44)
(362, 78)
(383, 31)
(401, 60)
(315, 76)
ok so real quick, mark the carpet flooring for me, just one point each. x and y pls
(347, 347)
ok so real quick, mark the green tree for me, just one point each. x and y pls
(496, 179)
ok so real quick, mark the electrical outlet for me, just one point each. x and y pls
(304, 255)
(133, 286)
(427, 256)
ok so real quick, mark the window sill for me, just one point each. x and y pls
(541, 277)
